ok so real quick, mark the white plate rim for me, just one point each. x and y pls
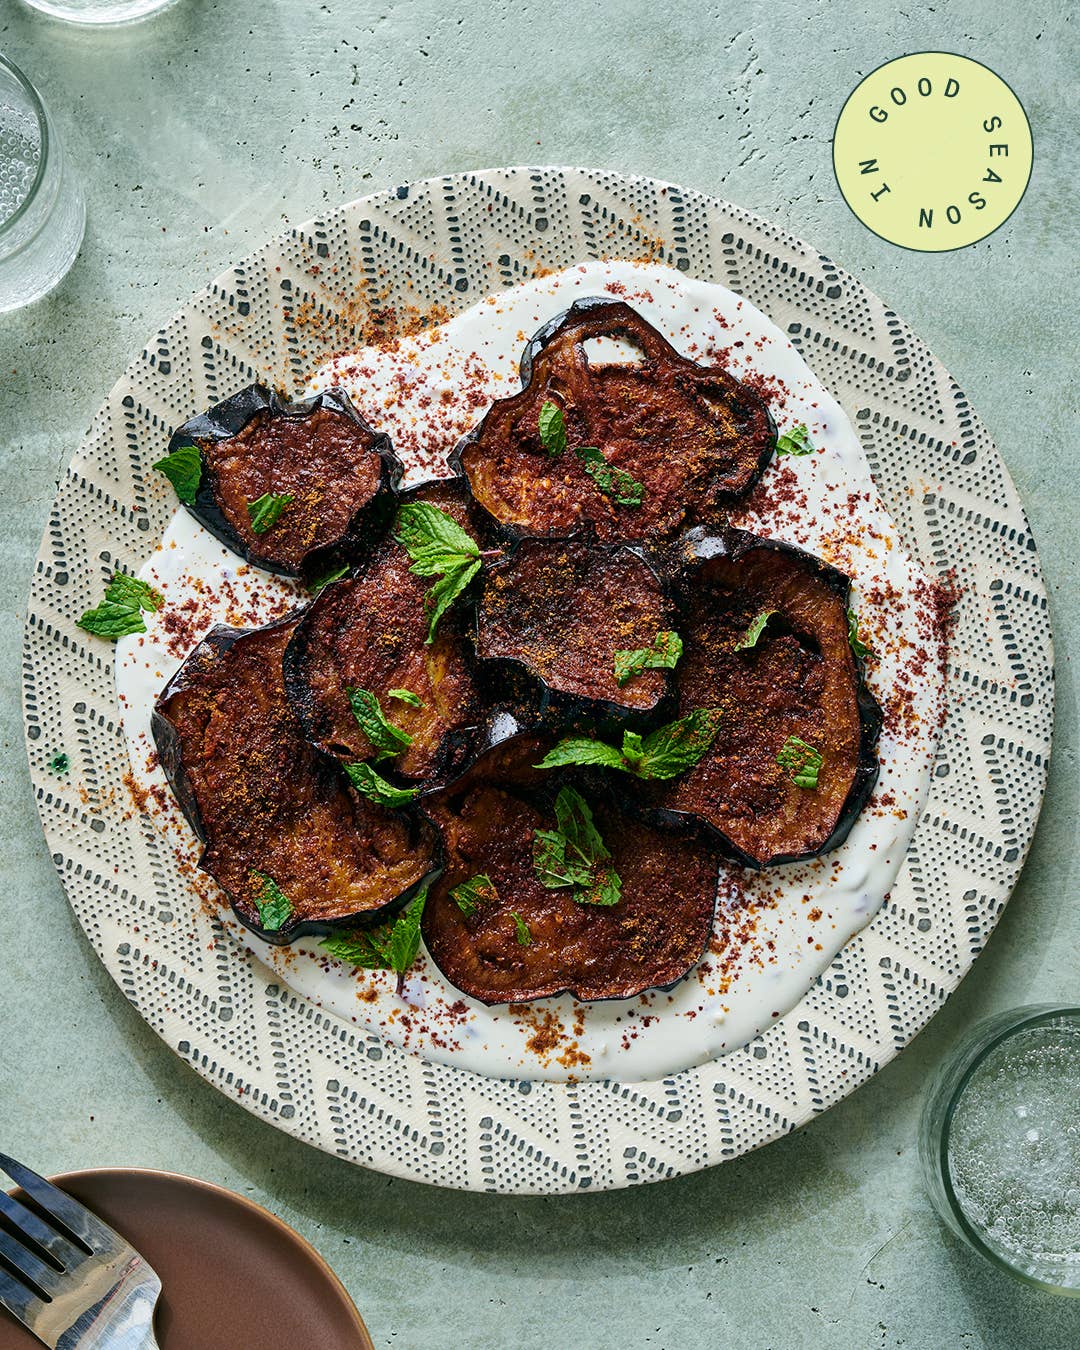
(447, 1126)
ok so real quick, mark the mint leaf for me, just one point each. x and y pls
(363, 949)
(404, 941)
(271, 901)
(803, 762)
(433, 539)
(633, 747)
(664, 753)
(581, 750)
(554, 870)
(478, 890)
(552, 424)
(316, 586)
(662, 655)
(265, 511)
(757, 627)
(59, 763)
(183, 469)
(673, 749)
(795, 442)
(131, 591)
(406, 696)
(615, 483)
(387, 739)
(858, 646)
(120, 613)
(522, 928)
(445, 591)
(375, 788)
(391, 946)
(605, 888)
(575, 823)
(109, 620)
(574, 855)
(438, 547)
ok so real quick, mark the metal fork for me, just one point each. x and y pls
(68, 1277)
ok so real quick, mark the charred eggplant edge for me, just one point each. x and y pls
(695, 549)
(167, 742)
(521, 675)
(543, 799)
(229, 417)
(457, 751)
(582, 307)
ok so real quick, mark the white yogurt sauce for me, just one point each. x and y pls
(777, 931)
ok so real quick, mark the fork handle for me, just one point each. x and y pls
(124, 1322)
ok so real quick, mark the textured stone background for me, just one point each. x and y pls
(203, 131)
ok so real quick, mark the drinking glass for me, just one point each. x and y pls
(99, 11)
(42, 213)
(1000, 1144)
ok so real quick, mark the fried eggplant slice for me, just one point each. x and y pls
(793, 763)
(295, 488)
(368, 631)
(563, 608)
(522, 941)
(270, 808)
(651, 447)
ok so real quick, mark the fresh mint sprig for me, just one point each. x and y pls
(120, 613)
(663, 753)
(795, 442)
(574, 855)
(183, 469)
(623, 488)
(327, 579)
(858, 646)
(406, 696)
(755, 630)
(387, 739)
(471, 894)
(438, 547)
(552, 424)
(375, 788)
(392, 946)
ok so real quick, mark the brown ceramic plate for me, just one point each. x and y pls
(231, 1273)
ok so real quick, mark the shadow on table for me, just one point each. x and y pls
(1006, 1312)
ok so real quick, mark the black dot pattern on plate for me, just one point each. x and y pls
(451, 241)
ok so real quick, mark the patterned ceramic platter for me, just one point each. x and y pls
(450, 241)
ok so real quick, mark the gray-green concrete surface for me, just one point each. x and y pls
(203, 131)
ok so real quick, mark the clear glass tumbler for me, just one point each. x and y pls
(1000, 1144)
(42, 213)
(99, 11)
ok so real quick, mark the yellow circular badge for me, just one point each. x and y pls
(932, 152)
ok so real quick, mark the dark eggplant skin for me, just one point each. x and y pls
(325, 718)
(421, 834)
(502, 671)
(597, 316)
(508, 747)
(651, 939)
(228, 418)
(685, 561)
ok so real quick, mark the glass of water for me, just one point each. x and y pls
(42, 213)
(99, 11)
(1000, 1144)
